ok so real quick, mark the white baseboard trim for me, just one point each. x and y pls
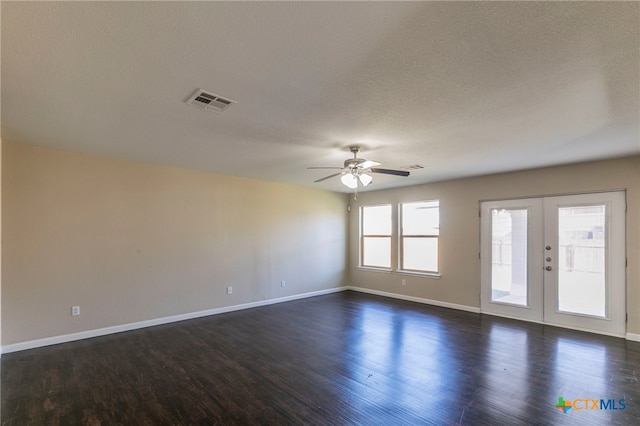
(31, 344)
(416, 299)
(633, 337)
(629, 336)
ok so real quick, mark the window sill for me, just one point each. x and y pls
(373, 269)
(420, 274)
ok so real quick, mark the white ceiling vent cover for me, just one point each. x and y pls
(209, 101)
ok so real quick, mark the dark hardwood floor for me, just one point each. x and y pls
(341, 359)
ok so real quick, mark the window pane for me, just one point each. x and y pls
(421, 218)
(376, 251)
(376, 220)
(420, 254)
(509, 256)
(581, 260)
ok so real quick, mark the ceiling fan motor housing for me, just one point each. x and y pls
(352, 163)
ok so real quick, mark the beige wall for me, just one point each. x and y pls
(1, 146)
(459, 233)
(130, 241)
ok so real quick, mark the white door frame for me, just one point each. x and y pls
(542, 305)
(614, 321)
(533, 310)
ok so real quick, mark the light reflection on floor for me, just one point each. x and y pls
(392, 368)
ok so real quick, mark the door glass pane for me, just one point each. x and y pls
(509, 256)
(581, 260)
(376, 251)
(420, 254)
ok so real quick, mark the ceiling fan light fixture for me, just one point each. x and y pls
(358, 170)
(365, 179)
(349, 180)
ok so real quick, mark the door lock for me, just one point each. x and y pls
(548, 268)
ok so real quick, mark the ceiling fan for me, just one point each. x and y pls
(357, 170)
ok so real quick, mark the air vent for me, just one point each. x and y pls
(412, 167)
(209, 101)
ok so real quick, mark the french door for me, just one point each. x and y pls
(557, 260)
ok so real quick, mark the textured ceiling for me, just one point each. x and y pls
(463, 88)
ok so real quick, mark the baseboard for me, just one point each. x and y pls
(158, 321)
(32, 344)
(633, 337)
(416, 299)
(629, 336)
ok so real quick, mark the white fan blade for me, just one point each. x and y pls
(324, 168)
(368, 164)
(327, 177)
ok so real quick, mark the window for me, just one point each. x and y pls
(418, 237)
(375, 236)
(419, 233)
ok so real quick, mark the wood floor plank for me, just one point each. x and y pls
(341, 359)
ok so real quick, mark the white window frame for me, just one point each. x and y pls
(402, 236)
(361, 264)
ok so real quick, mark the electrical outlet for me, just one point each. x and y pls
(404, 282)
(229, 290)
(75, 311)
(282, 284)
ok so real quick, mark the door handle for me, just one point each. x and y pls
(548, 268)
